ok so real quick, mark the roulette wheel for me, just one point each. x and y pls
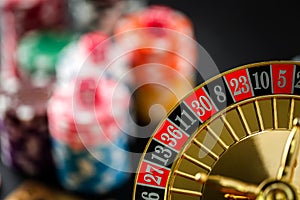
(235, 136)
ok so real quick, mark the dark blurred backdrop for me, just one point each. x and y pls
(241, 32)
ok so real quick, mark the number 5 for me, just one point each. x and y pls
(281, 79)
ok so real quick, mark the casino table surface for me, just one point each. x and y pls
(234, 33)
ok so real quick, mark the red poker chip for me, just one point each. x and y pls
(72, 121)
(147, 20)
(158, 17)
(95, 45)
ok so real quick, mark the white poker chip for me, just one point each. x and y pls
(25, 113)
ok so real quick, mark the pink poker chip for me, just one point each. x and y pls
(85, 117)
(113, 100)
(95, 45)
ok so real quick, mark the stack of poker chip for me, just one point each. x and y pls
(25, 142)
(89, 145)
(163, 63)
(88, 120)
(17, 18)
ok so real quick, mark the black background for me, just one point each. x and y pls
(234, 33)
(241, 32)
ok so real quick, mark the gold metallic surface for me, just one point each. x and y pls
(229, 186)
(255, 156)
(281, 188)
(290, 155)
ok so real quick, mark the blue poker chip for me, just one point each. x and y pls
(90, 171)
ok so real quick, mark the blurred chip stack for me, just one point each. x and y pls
(18, 17)
(25, 143)
(88, 115)
(27, 28)
(162, 53)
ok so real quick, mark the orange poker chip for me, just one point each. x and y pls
(154, 38)
(166, 20)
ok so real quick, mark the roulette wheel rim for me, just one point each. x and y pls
(252, 94)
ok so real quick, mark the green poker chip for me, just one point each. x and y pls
(39, 51)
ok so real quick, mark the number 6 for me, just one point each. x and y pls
(150, 196)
